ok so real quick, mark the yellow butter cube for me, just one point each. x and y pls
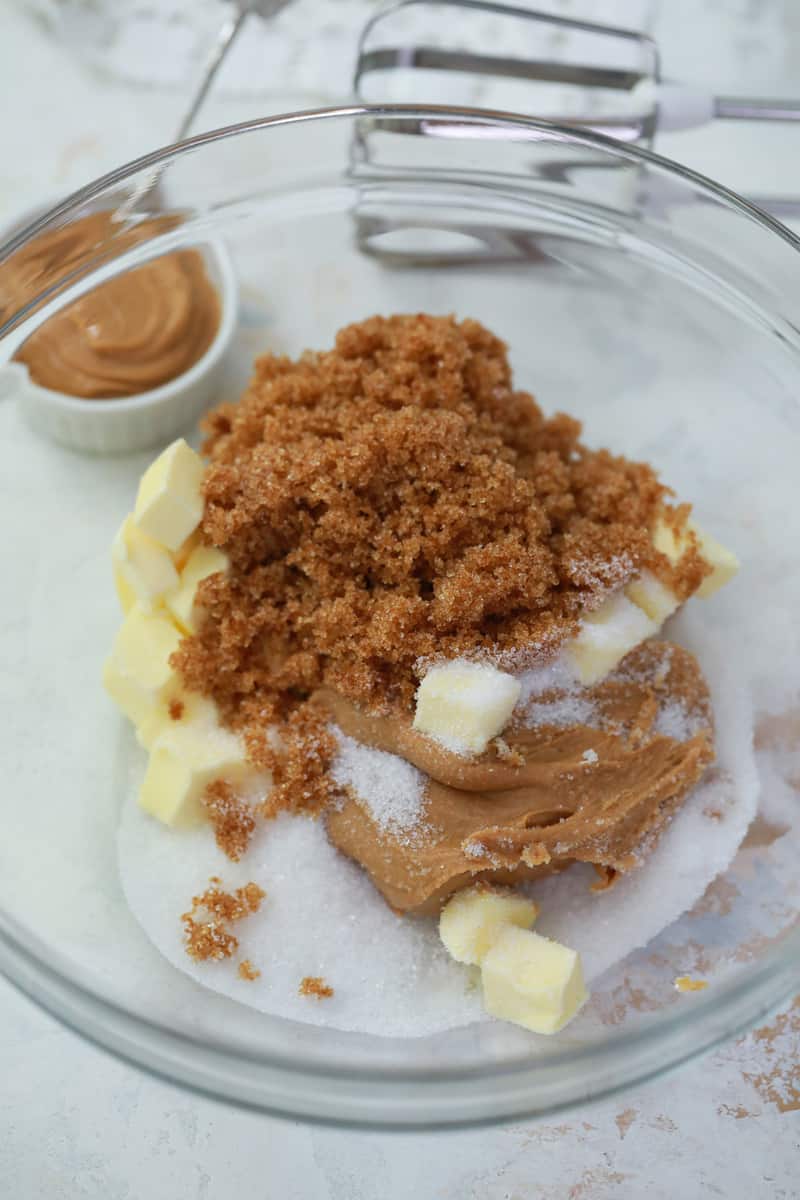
(723, 562)
(652, 596)
(183, 762)
(532, 981)
(202, 562)
(125, 593)
(135, 701)
(143, 569)
(181, 556)
(155, 712)
(671, 542)
(472, 919)
(606, 636)
(464, 705)
(173, 708)
(169, 505)
(143, 646)
(137, 674)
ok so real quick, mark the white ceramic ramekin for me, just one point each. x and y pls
(119, 425)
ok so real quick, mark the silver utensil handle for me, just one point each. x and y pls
(755, 108)
(222, 44)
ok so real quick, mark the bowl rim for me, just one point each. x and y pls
(296, 1089)
(98, 406)
(534, 126)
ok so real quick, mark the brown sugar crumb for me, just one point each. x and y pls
(206, 940)
(390, 501)
(315, 985)
(209, 937)
(505, 754)
(300, 766)
(248, 971)
(176, 710)
(231, 817)
(229, 906)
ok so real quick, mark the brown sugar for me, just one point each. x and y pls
(300, 766)
(315, 985)
(391, 501)
(209, 937)
(231, 817)
(207, 940)
(248, 971)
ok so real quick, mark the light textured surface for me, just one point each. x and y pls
(76, 1123)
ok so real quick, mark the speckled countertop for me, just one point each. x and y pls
(76, 1123)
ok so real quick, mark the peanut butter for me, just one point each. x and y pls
(131, 334)
(558, 794)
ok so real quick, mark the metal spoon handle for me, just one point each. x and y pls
(225, 38)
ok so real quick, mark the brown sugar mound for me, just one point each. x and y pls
(389, 501)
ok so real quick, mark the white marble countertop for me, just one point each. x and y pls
(76, 1123)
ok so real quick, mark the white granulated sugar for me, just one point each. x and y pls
(567, 710)
(475, 850)
(391, 789)
(554, 675)
(570, 707)
(391, 975)
(674, 721)
(590, 756)
(602, 572)
(321, 916)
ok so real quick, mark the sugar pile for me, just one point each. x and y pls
(571, 707)
(391, 788)
(321, 916)
(390, 975)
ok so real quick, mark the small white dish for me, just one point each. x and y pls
(124, 424)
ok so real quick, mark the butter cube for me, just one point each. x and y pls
(175, 707)
(169, 505)
(135, 701)
(143, 570)
(532, 981)
(670, 542)
(652, 596)
(606, 636)
(182, 763)
(723, 562)
(125, 593)
(202, 562)
(137, 674)
(471, 921)
(464, 705)
(143, 646)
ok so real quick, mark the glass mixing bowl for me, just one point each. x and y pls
(650, 302)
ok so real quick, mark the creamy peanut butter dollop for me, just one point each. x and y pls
(599, 792)
(131, 334)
